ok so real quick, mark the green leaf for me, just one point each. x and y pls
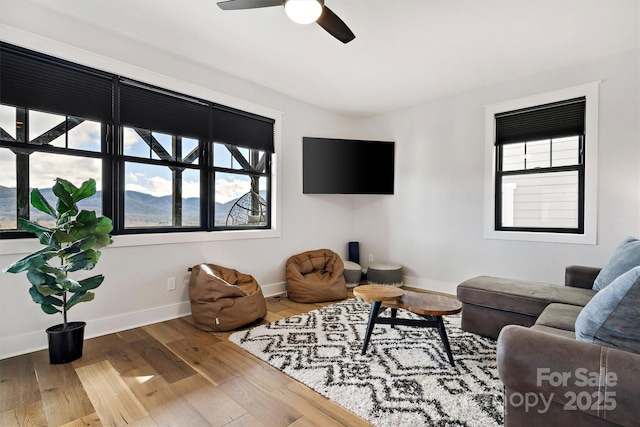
(65, 200)
(80, 297)
(38, 277)
(86, 190)
(69, 285)
(73, 248)
(46, 239)
(39, 202)
(87, 220)
(32, 261)
(88, 243)
(91, 282)
(104, 226)
(38, 298)
(78, 245)
(49, 269)
(68, 186)
(84, 225)
(103, 240)
(33, 227)
(63, 237)
(49, 309)
(49, 290)
(65, 219)
(84, 260)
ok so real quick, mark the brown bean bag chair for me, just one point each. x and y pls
(222, 299)
(315, 276)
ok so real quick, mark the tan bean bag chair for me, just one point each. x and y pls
(315, 276)
(222, 299)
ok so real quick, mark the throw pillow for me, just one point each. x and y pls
(612, 316)
(624, 258)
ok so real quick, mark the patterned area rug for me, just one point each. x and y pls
(405, 378)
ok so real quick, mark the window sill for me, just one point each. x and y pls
(24, 246)
(579, 239)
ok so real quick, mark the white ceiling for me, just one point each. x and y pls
(405, 51)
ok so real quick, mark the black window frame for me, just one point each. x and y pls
(543, 122)
(215, 122)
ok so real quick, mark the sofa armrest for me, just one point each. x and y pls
(574, 375)
(580, 276)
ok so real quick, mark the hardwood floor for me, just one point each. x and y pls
(165, 374)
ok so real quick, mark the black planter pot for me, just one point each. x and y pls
(65, 345)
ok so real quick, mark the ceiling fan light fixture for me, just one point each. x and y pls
(303, 11)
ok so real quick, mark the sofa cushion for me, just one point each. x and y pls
(518, 296)
(560, 316)
(612, 316)
(624, 258)
(555, 331)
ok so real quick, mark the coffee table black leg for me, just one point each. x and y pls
(445, 340)
(394, 312)
(375, 308)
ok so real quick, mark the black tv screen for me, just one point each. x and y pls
(347, 166)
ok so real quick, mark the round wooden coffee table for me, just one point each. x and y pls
(429, 306)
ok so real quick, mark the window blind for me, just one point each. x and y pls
(556, 120)
(148, 107)
(36, 81)
(40, 82)
(231, 126)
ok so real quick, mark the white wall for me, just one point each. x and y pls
(134, 291)
(432, 225)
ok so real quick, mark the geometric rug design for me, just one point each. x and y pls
(404, 379)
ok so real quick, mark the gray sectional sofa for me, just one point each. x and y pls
(567, 355)
(491, 303)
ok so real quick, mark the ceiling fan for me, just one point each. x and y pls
(301, 12)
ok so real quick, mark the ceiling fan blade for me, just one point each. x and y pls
(335, 26)
(248, 4)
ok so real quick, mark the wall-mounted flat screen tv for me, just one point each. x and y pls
(347, 166)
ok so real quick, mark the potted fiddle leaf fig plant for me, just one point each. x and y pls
(69, 245)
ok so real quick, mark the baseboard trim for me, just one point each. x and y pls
(274, 289)
(112, 324)
(37, 340)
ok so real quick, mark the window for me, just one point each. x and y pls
(245, 168)
(540, 168)
(163, 161)
(37, 147)
(162, 180)
(244, 171)
(543, 167)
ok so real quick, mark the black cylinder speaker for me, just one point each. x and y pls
(354, 252)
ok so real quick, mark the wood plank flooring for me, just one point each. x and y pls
(165, 374)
